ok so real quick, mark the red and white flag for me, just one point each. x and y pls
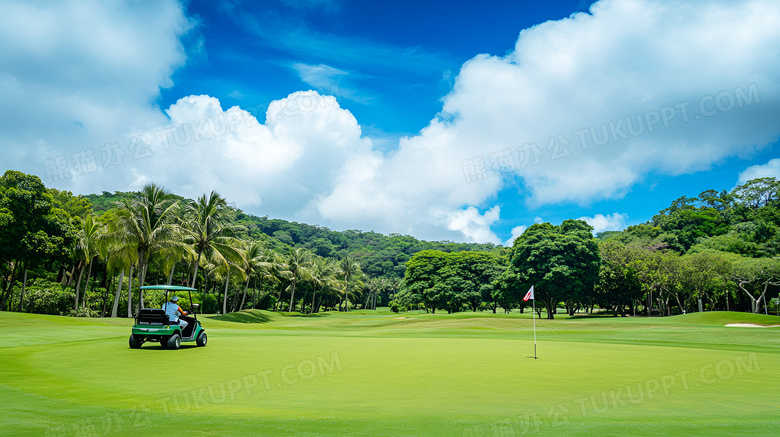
(529, 295)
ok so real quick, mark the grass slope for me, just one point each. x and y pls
(384, 373)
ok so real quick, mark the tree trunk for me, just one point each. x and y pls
(86, 285)
(313, 295)
(170, 275)
(650, 302)
(60, 274)
(243, 298)
(70, 278)
(682, 307)
(78, 287)
(141, 280)
(195, 276)
(24, 285)
(256, 292)
(278, 304)
(292, 295)
(130, 294)
(346, 295)
(550, 309)
(115, 308)
(224, 297)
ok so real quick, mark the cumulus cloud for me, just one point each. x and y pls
(609, 222)
(769, 170)
(587, 106)
(79, 74)
(580, 110)
(516, 232)
(473, 225)
(593, 96)
(282, 162)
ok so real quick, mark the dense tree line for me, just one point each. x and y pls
(59, 257)
(89, 255)
(717, 251)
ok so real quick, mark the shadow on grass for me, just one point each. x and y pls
(595, 316)
(246, 316)
(297, 314)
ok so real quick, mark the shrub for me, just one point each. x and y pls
(47, 297)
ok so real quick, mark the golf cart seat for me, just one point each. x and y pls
(153, 316)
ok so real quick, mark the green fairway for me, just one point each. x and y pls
(384, 373)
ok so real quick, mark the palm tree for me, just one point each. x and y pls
(254, 262)
(349, 268)
(87, 249)
(322, 271)
(298, 266)
(148, 224)
(118, 255)
(229, 267)
(375, 286)
(209, 230)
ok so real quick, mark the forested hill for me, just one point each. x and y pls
(379, 255)
(744, 221)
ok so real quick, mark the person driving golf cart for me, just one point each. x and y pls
(172, 310)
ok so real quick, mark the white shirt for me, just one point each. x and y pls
(171, 310)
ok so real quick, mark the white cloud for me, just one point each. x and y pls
(318, 76)
(79, 74)
(516, 232)
(609, 222)
(769, 170)
(473, 225)
(626, 59)
(82, 75)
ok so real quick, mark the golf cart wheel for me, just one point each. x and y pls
(174, 342)
(164, 343)
(202, 339)
(134, 343)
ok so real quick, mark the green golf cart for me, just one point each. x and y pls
(153, 325)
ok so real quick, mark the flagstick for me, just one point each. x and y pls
(534, 317)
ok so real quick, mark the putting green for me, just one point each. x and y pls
(394, 374)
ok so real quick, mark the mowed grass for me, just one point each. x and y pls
(382, 373)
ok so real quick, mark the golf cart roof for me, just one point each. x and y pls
(168, 288)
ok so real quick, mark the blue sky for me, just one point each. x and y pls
(436, 106)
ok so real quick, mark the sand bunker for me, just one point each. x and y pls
(750, 325)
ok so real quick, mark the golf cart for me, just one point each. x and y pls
(152, 324)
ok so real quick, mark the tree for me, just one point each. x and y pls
(561, 262)
(619, 284)
(758, 192)
(87, 248)
(298, 265)
(254, 262)
(704, 274)
(755, 276)
(32, 228)
(322, 271)
(209, 230)
(349, 268)
(227, 268)
(148, 224)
